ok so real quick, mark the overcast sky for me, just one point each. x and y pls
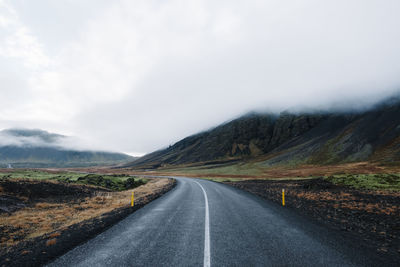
(135, 76)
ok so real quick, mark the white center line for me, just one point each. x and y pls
(207, 258)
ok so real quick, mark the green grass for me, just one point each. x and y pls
(116, 183)
(113, 182)
(357, 181)
(38, 175)
(223, 179)
(368, 181)
(233, 169)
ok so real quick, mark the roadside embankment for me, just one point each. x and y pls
(372, 216)
(41, 220)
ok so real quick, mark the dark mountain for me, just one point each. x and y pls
(36, 148)
(292, 138)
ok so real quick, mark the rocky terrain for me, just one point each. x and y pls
(291, 139)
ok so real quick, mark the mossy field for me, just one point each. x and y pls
(368, 181)
(360, 175)
(117, 182)
(356, 181)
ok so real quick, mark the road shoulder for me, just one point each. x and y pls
(341, 210)
(42, 249)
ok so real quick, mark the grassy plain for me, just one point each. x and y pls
(362, 175)
(118, 182)
(36, 202)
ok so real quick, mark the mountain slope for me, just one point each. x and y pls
(37, 148)
(288, 138)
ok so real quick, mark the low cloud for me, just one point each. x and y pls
(40, 138)
(139, 75)
(30, 138)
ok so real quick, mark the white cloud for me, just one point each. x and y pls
(137, 75)
(17, 40)
(37, 138)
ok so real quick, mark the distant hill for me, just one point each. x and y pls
(291, 139)
(23, 148)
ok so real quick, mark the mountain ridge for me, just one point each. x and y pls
(35, 148)
(291, 138)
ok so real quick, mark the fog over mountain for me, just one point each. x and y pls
(21, 137)
(290, 139)
(38, 148)
(135, 76)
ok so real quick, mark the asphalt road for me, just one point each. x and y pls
(202, 223)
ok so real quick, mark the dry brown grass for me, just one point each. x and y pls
(45, 218)
(25, 252)
(348, 201)
(51, 242)
(268, 172)
(53, 235)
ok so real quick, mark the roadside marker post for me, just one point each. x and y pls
(283, 197)
(132, 199)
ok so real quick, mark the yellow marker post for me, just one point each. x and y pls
(283, 197)
(132, 199)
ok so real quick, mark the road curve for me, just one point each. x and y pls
(203, 223)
